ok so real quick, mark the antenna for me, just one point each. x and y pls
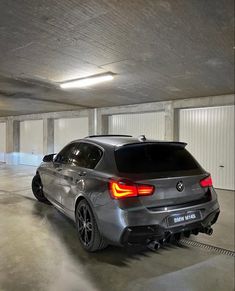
(142, 138)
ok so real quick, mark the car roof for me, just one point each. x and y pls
(112, 140)
(122, 140)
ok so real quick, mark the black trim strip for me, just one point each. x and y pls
(205, 199)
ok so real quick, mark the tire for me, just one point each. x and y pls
(37, 189)
(88, 232)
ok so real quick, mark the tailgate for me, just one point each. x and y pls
(174, 191)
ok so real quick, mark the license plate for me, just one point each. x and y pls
(184, 218)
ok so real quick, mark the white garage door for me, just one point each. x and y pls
(2, 141)
(31, 142)
(68, 129)
(151, 124)
(209, 133)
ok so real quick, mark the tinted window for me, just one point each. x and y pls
(152, 158)
(85, 155)
(64, 155)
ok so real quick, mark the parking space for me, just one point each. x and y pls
(41, 250)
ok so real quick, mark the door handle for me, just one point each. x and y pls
(221, 166)
(82, 173)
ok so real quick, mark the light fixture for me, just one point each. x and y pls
(88, 81)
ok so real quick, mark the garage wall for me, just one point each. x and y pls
(68, 129)
(98, 124)
(31, 142)
(151, 124)
(2, 141)
(209, 133)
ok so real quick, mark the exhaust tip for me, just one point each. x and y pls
(153, 245)
(209, 231)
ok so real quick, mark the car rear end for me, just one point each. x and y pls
(160, 191)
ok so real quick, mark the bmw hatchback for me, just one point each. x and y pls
(122, 191)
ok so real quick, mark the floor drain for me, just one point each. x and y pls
(218, 250)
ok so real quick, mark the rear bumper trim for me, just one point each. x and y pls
(141, 234)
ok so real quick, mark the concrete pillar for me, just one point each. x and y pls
(169, 121)
(12, 141)
(99, 122)
(48, 136)
(93, 121)
(176, 124)
(105, 124)
(102, 123)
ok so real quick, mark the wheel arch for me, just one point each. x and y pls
(80, 198)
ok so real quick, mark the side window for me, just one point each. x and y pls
(64, 155)
(85, 155)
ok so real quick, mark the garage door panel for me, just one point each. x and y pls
(209, 133)
(31, 142)
(69, 129)
(151, 124)
(2, 141)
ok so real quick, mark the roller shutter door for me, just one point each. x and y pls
(151, 124)
(31, 142)
(68, 129)
(209, 133)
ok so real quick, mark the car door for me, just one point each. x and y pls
(78, 173)
(55, 183)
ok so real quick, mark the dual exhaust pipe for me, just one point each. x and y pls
(208, 230)
(154, 245)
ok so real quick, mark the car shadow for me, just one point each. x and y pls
(65, 229)
(114, 268)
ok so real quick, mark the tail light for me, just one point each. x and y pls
(206, 182)
(123, 188)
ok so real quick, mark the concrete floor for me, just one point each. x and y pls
(39, 250)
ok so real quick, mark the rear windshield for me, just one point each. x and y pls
(154, 158)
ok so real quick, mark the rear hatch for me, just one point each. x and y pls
(169, 167)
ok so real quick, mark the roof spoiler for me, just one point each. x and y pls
(172, 143)
(109, 135)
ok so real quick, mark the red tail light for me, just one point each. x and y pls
(206, 182)
(122, 189)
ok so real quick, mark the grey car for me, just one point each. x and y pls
(122, 190)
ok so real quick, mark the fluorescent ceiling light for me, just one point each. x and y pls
(84, 82)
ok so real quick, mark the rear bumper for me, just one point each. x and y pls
(123, 226)
(144, 233)
(122, 222)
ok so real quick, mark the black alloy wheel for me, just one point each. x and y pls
(85, 226)
(88, 231)
(37, 189)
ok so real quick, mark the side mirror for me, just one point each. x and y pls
(48, 158)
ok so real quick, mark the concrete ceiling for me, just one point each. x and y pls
(160, 50)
